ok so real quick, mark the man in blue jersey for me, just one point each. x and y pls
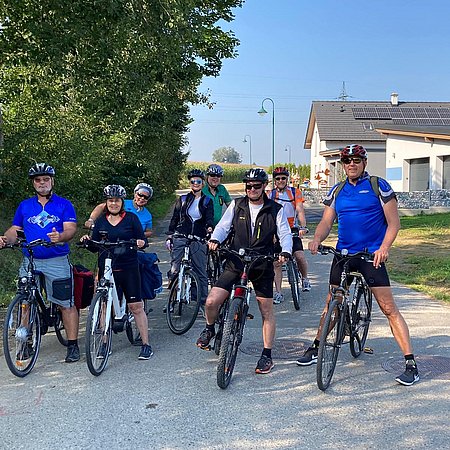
(50, 217)
(366, 220)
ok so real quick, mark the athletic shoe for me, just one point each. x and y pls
(410, 375)
(278, 298)
(102, 351)
(265, 365)
(73, 353)
(205, 337)
(306, 285)
(146, 352)
(309, 357)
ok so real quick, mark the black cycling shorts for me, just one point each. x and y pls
(129, 281)
(374, 277)
(261, 277)
(297, 245)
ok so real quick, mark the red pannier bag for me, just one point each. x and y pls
(83, 286)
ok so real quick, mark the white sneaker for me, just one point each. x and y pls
(306, 285)
(278, 298)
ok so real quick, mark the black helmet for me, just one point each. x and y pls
(114, 191)
(214, 170)
(196, 173)
(38, 169)
(144, 187)
(256, 174)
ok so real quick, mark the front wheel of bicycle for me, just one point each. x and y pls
(98, 334)
(60, 331)
(360, 317)
(330, 343)
(21, 335)
(182, 310)
(230, 342)
(294, 281)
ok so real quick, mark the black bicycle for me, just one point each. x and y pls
(184, 290)
(29, 315)
(349, 315)
(293, 274)
(234, 316)
(214, 267)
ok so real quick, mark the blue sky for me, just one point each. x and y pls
(297, 51)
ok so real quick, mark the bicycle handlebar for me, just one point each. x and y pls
(132, 243)
(246, 255)
(28, 245)
(190, 237)
(325, 249)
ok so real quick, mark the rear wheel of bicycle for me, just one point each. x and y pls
(98, 339)
(181, 313)
(60, 331)
(360, 317)
(21, 335)
(294, 281)
(230, 343)
(330, 342)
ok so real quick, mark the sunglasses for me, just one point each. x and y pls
(145, 197)
(257, 186)
(196, 181)
(349, 160)
(280, 178)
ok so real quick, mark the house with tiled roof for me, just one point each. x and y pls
(408, 142)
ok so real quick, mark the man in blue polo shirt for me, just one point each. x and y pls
(50, 217)
(366, 220)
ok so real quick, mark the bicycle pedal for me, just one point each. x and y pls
(368, 350)
(250, 316)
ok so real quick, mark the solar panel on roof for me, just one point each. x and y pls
(444, 112)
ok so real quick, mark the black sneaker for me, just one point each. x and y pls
(205, 337)
(265, 365)
(102, 351)
(146, 352)
(410, 375)
(73, 353)
(309, 357)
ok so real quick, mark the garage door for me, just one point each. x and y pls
(419, 174)
(446, 174)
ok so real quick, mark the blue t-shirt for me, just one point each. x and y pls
(37, 221)
(361, 220)
(144, 215)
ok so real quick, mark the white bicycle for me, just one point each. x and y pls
(108, 312)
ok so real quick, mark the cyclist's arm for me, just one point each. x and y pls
(175, 216)
(223, 228)
(10, 235)
(300, 210)
(95, 214)
(393, 226)
(323, 228)
(227, 197)
(69, 230)
(284, 232)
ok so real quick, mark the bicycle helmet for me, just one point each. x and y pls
(114, 191)
(214, 170)
(354, 150)
(38, 169)
(196, 173)
(280, 171)
(144, 187)
(256, 174)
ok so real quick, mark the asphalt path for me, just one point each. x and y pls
(173, 401)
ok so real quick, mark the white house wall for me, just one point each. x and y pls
(401, 149)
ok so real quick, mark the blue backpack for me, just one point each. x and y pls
(151, 276)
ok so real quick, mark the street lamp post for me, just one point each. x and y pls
(262, 112)
(288, 150)
(250, 144)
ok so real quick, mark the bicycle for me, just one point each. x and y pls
(293, 274)
(108, 312)
(214, 267)
(28, 317)
(347, 316)
(183, 304)
(234, 316)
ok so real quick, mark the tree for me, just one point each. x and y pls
(226, 155)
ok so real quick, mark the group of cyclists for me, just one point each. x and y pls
(261, 220)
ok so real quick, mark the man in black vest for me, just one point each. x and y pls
(255, 220)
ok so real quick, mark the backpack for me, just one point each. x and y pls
(273, 195)
(83, 286)
(373, 182)
(151, 276)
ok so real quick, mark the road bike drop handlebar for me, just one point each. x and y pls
(325, 249)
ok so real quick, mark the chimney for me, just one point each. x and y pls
(394, 99)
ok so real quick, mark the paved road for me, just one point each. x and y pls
(173, 402)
